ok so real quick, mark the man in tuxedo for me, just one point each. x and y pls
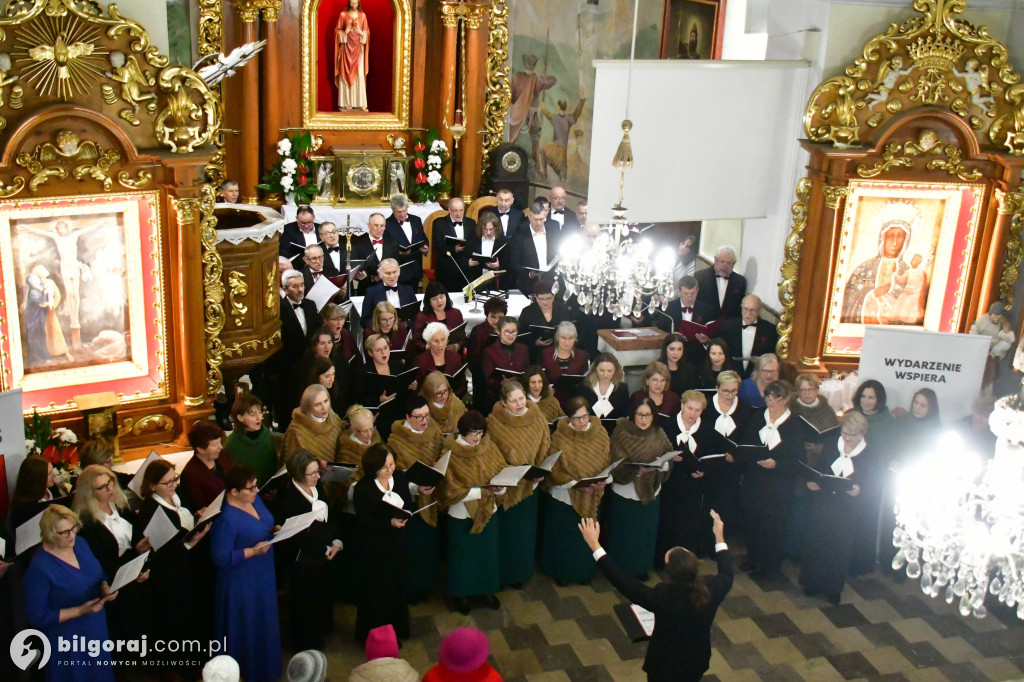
(298, 235)
(565, 218)
(690, 308)
(581, 211)
(372, 248)
(721, 287)
(512, 219)
(457, 226)
(406, 230)
(334, 253)
(749, 336)
(388, 289)
(534, 248)
(299, 321)
(313, 266)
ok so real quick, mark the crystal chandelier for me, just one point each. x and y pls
(615, 273)
(960, 523)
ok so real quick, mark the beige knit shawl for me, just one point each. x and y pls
(408, 447)
(584, 453)
(521, 440)
(468, 468)
(637, 445)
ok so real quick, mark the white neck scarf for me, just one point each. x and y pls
(188, 522)
(119, 528)
(463, 442)
(724, 424)
(316, 504)
(769, 433)
(602, 406)
(536, 400)
(843, 466)
(390, 496)
(409, 426)
(686, 436)
(319, 420)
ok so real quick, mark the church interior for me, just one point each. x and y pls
(211, 210)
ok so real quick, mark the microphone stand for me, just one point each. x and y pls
(671, 322)
(469, 285)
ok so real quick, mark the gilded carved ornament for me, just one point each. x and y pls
(791, 265)
(1011, 203)
(237, 289)
(499, 84)
(249, 10)
(934, 58)
(928, 143)
(211, 27)
(213, 290)
(50, 161)
(241, 349)
(271, 299)
(150, 423)
(833, 195)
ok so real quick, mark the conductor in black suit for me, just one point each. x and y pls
(721, 287)
(684, 604)
(565, 217)
(512, 219)
(405, 230)
(298, 235)
(457, 226)
(388, 289)
(373, 247)
(749, 336)
(534, 247)
(689, 307)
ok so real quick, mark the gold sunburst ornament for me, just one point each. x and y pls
(60, 56)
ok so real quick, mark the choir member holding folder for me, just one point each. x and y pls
(108, 527)
(438, 356)
(386, 323)
(474, 555)
(845, 466)
(604, 388)
(729, 416)
(538, 391)
(564, 363)
(381, 490)
(250, 442)
(684, 605)
(418, 438)
(202, 479)
(584, 445)
(307, 555)
(632, 525)
(541, 317)
(245, 610)
(66, 591)
(487, 248)
(521, 434)
(768, 480)
(315, 427)
(503, 361)
(445, 407)
(35, 485)
(437, 307)
(176, 571)
(385, 379)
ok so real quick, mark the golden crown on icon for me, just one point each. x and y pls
(936, 53)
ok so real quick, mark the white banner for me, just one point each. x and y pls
(12, 435)
(906, 360)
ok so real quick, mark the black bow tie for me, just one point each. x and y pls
(295, 306)
(333, 249)
(390, 288)
(725, 277)
(458, 224)
(559, 211)
(688, 310)
(502, 212)
(752, 324)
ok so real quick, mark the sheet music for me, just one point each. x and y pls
(322, 291)
(135, 485)
(644, 617)
(160, 530)
(129, 572)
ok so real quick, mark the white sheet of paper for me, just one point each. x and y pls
(645, 617)
(660, 461)
(321, 292)
(280, 472)
(294, 525)
(705, 457)
(549, 461)
(135, 485)
(3, 548)
(160, 530)
(441, 465)
(213, 508)
(510, 476)
(129, 572)
(28, 534)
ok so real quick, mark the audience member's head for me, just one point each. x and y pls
(307, 666)
(464, 650)
(221, 668)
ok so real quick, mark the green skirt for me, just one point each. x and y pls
(631, 533)
(421, 556)
(474, 561)
(517, 537)
(563, 554)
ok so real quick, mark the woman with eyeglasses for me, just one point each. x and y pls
(564, 358)
(474, 555)
(445, 408)
(503, 361)
(766, 370)
(108, 527)
(381, 490)
(538, 391)
(715, 362)
(245, 608)
(251, 442)
(835, 514)
(480, 337)
(543, 311)
(308, 554)
(66, 591)
(437, 307)
(386, 323)
(633, 507)
(654, 384)
(178, 569)
(382, 363)
(418, 438)
(768, 482)
(315, 426)
(584, 445)
(729, 416)
(521, 433)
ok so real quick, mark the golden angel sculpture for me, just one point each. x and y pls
(352, 60)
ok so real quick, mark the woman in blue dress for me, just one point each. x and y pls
(245, 608)
(65, 590)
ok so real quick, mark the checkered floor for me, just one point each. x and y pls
(765, 630)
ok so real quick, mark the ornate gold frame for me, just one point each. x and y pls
(499, 84)
(397, 118)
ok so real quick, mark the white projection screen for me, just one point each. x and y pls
(709, 138)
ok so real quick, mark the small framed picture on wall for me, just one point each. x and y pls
(692, 29)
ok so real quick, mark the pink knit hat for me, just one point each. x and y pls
(381, 643)
(464, 650)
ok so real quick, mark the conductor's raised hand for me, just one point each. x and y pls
(591, 531)
(717, 526)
